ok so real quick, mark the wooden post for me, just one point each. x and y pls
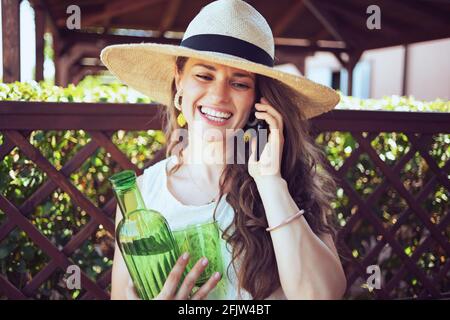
(349, 69)
(11, 40)
(39, 15)
(349, 64)
(58, 44)
(61, 71)
(405, 70)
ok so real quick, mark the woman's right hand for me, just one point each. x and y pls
(169, 290)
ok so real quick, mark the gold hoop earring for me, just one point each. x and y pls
(176, 99)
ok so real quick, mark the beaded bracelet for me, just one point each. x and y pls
(295, 216)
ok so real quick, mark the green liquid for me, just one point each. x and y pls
(149, 251)
(149, 270)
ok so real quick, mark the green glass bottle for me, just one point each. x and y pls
(144, 238)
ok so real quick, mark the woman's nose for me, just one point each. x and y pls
(220, 91)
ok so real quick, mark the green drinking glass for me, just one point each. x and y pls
(201, 240)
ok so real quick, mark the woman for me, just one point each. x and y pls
(274, 212)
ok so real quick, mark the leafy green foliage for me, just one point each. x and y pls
(393, 103)
(57, 217)
(365, 178)
(90, 89)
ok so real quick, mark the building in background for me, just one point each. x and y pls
(380, 72)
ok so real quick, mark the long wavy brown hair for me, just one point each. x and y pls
(311, 187)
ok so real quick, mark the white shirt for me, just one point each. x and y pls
(178, 215)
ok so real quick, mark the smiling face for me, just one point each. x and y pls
(214, 95)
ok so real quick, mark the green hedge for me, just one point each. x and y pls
(59, 219)
(92, 89)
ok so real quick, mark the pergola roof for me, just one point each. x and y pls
(300, 28)
(402, 21)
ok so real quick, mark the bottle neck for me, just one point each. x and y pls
(129, 200)
(127, 193)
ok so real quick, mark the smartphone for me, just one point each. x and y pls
(258, 125)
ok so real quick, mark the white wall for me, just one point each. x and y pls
(319, 66)
(387, 71)
(429, 70)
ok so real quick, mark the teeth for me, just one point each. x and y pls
(214, 113)
(214, 118)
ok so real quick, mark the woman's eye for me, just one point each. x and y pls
(236, 84)
(241, 85)
(203, 77)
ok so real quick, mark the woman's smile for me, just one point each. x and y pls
(214, 116)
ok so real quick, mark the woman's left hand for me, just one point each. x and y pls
(269, 164)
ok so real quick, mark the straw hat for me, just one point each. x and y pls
(228, 32)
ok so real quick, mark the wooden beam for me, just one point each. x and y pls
(408, 38)
(329, 25)
(341, 60)
(11, 40)
(320, 35)
(436, 14)
(76, 52)
(359, 20)
(28, 115)
(285, 44)
(81, 50)
(328, 22)
(94, 69)
(169, 16)
(77, 36)
(295, 50)
(40, 17)
(405, 30)
(52, 19)
(288, 18)
(113, 9)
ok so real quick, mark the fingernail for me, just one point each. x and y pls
(216, 275)
(185, 255)
(204, 261)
